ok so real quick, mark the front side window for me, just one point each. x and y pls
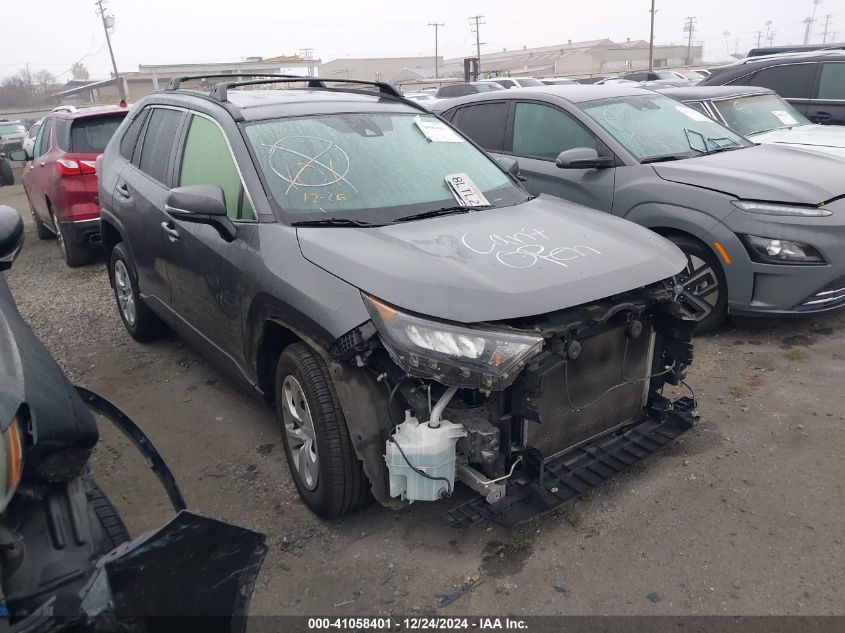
(789, 80)
(752, 115)
(42, 142)
(654, 126)
(207, 160)
(370, 167)
(158, 143)
(541, 131)
(832, 81)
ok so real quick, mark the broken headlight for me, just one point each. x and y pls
(776, 251)
(452, 354)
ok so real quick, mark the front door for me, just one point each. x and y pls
(540, 133)
(828, 104)
(204, 268)
(37, 172)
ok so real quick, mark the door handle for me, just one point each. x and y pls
(171, 231)
(820, 117)
(41, 163)
(123, 190)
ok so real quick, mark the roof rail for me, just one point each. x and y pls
(220, 90)
(176, 82)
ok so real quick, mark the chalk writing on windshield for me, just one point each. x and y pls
(309, 161)
(524, 248)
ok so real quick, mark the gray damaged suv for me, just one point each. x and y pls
(762, 225)
(416, 318)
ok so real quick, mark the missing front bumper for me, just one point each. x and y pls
(577, 470)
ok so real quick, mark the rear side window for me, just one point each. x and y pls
(90, 135)
(789, 80)
(832, 81)
(484, 123)
(130, 137)
(207, 160)
(540, 131)
(158, 142)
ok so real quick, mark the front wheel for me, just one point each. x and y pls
(328, 475)
(701, 286)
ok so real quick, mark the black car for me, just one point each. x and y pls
(413, 314)
(813, 82)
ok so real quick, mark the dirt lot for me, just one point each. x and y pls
(744, 515)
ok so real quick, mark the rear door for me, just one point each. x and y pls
(793, 82)
(537, 134)
(484, 123)
(204, 269)
(828, 103)
(139, 195)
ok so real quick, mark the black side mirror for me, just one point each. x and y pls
(11, 236)
(582, 158)
(201, 204)
(19, 155)
(511, 165)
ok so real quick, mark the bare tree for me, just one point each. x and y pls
(78, 71)
(43, 80)
(25, 87)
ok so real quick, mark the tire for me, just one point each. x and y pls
(74, 254)
(41, 231)
(704, 298)
(6, 176)
(338, 484)
(141, 323)
(115, 531)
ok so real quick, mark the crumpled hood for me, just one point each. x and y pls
(537, 257)
(829, 139)
(764, 172)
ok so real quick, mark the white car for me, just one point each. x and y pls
(29, 140)
(762, 116)
(513, 82)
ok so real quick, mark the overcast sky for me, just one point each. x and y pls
(53, 35)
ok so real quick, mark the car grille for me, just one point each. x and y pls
(828, 297)
(604, 388)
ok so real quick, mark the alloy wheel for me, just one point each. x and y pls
(123, 290)
(697, 289)
(299, 428)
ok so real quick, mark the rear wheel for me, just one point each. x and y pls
(702, 288)
(141, 323)
(328, 475)
(74, 254)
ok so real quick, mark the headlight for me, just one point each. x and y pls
(451, 354)
(11, 462)
(793, 210)
(776, 251)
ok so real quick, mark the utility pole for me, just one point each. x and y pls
(436, 26)
(809, 22)
(651, 38)
(727, 34)
(306, 55)
(768, 39)
(826, 26)
(105, 18)
(689, 27)
(476, 18)
(772, 38)
(759, 38)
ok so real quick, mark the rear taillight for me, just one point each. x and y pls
(69, 167)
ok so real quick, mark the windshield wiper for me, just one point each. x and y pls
(724, 148)
(662, 159)
(334, 222)
(435, 212)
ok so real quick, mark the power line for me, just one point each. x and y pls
(436, 26)
(477, 41)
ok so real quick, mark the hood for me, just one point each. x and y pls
(533, 258)
(773, 173)
(829, 139)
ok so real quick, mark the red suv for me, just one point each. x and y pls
(61, 178)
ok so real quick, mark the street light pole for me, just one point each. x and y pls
(102, 11)
(436, 26)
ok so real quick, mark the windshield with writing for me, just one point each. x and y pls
(371, 167)
(751, 115)
(653, 125)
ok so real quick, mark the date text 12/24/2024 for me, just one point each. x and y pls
(417, 624)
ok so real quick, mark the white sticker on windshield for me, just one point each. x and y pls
(785, 117)
(465, 191)
(437, 131)
(692, 113)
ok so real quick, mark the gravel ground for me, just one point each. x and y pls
(743, 515)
